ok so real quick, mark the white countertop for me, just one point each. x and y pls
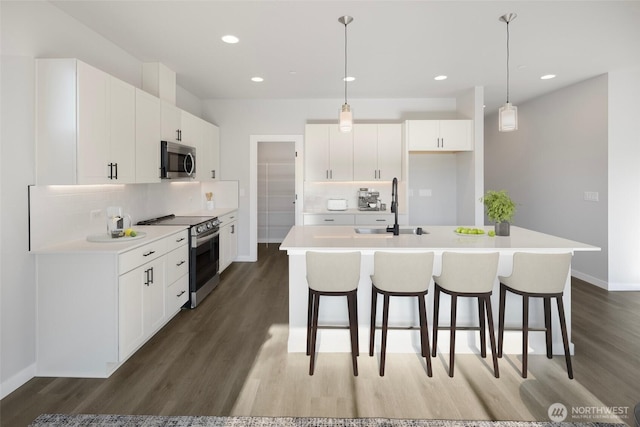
(122, 244)
(214, 212)
(301, 238)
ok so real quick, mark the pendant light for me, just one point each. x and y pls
(508, 114)
(346, 118)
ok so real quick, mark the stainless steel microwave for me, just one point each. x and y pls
(177, 160)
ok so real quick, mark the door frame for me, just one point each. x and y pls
(253, 187)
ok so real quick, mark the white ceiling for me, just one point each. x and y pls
(395, 48)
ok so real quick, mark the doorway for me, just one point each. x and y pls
(276, 190)
(254, 142)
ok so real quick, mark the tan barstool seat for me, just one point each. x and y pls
(543, 276)
(467, 275)
(400, 275)
(332, 274)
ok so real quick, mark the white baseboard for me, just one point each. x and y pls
(12, 384)
(590, 279)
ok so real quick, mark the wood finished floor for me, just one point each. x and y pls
(229, 357)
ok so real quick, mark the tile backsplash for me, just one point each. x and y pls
(71, 212)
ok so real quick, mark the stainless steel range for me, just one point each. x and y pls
(204, 254)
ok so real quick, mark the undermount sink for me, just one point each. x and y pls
(366, 230)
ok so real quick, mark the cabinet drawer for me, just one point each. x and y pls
(377, 219)
(177, 263)
(328, 219)
(177, 295)
(176, 240)
(228, 218)
(138, 256)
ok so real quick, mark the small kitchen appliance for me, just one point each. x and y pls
(117, 222)
(368, 200)
(204, 253)
(337, 205)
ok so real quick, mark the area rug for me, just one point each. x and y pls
(83, 420)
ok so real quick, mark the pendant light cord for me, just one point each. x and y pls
(507, 62)
(345, 63)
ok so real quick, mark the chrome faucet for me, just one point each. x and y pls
(394, 208)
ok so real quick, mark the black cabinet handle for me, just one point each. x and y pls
(149, 253)
(180, 263)
(116, 165)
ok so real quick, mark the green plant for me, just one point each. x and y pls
(499, 206)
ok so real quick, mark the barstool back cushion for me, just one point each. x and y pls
(402, 271)
(333, 271)
(468, 272)
(539, 273)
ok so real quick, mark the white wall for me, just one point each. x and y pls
(558, 152)
(624, 179)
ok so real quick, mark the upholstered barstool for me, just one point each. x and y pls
(332, 274)
(467, 275)
(400, 275)
(543, 276)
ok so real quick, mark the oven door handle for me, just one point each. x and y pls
(205, 239)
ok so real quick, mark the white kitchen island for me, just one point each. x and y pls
(403, 311)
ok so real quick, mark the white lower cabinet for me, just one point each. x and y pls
(375, 219)
(96, 308)
(228, 239)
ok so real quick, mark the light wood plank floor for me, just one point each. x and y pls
(229, 357)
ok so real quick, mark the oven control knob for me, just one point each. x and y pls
(199, 229)
(209, 225)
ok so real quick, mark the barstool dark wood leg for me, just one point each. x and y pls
(503, 295)
(385, 329)
(353, 328)
(309, 315)
(565, 338)
(436, 310)
(547, 325)
(492, 336)
(452, 346)
(525, 334)
(424, 333)
(483, 337)
(314, 331)
(372, 329)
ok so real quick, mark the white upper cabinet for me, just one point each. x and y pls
(377, 152)
(328, 153)
(171, 116)
(85, 125)
(439, 135)
(147, 138)
(208, 154)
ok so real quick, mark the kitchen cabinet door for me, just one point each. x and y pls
(340, 154)
(147, 153)
(316, 153)
(130, 321)
(456, 135)
(423, 135)
(208, 155)
(191, 131)
(122, 131)
(365, 152)
(92, 125)
(228, 240)
(141, 296)
(389, 151)
(171, 117)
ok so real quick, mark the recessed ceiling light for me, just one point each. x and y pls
(230, 39)
(349, 79)
(548, 76)
(441, 77)
(257, 79)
